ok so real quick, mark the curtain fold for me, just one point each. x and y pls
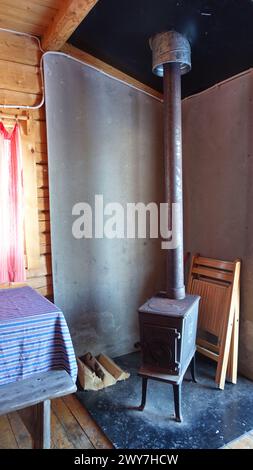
(12, 265)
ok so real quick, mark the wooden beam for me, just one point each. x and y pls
(109, 70)
(70, 15)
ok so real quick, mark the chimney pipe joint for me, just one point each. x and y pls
(170, 47)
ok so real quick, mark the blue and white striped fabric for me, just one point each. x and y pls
(34, 336)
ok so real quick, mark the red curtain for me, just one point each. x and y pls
(12, 265)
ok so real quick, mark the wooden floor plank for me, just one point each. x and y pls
(59, 438)
(94, 433)
(71, 428)
(243, 442)
(23, 438)
(75, 433)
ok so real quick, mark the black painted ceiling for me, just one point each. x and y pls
(220, 33)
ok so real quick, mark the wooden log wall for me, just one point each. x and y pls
(20, 84)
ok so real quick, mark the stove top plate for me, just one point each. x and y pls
(161, 305)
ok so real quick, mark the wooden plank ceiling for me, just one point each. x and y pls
(28, 16)
(52, 20)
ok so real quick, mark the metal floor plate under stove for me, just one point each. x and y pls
(212, 417)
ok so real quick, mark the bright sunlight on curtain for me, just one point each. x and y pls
(12, 263)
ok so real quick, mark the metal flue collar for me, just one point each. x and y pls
(170, 47)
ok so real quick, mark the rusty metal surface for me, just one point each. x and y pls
(173, 176)
(168, 323)
(171, 58)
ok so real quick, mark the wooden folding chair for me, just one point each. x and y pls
(218, 284)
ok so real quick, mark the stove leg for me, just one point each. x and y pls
(144, 393)
(177, 402)
(193, 369)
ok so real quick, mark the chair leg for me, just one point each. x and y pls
(193, 369)
(144, 393)
(177, 401)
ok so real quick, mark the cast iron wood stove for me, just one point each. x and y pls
(168, 321)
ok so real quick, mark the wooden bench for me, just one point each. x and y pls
(31, 398)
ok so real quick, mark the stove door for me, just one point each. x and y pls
(160, 347)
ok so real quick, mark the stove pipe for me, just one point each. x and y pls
(171, 59)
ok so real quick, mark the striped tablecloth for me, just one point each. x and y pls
(34, 336)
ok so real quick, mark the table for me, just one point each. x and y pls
(37, 359)
(34, 336)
